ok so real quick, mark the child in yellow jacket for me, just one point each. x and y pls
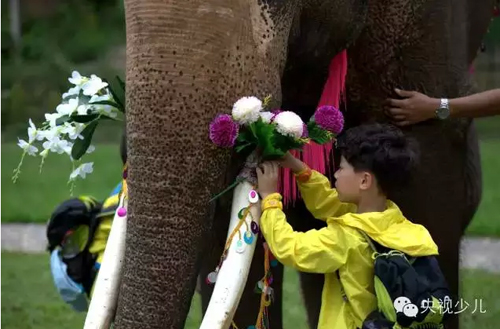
(374, 160)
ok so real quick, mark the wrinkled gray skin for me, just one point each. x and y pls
(188, 60)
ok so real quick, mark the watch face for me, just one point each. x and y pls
(443, 113)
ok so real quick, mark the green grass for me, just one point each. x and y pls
(30, 301)
(486, 221)
(34, 196)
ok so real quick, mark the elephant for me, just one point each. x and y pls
(188, 60)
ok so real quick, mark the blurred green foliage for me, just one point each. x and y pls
(76, 35)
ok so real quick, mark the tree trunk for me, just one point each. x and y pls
(186, 61)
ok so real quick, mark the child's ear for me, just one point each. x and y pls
(366, 181)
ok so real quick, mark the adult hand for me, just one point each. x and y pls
(267, 176)
(414, 108)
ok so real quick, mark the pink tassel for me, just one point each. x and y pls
(317, 156)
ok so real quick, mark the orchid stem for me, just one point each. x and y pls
(236, 182)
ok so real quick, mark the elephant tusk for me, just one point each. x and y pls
(233, 273)
(103, 304)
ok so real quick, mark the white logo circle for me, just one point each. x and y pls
(410, 310)
(400, 302)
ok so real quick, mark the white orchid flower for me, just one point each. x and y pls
(90, 149)
(50, 134)
(67, 148)
(56, 145)
(44, 153)
(69, 108)
(104, 109)
(82, 171)
(33, 132)
(83, 109)
(77, 79)
(73, 129)
(71, 92)
(27, 147)
(51, 118)
(92, 86)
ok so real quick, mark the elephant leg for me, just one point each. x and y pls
(312, 287)
(450, 263)
(311, 284)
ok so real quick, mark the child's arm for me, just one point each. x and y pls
(315, 251)
(316, 191)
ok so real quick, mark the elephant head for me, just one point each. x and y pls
(188, 60)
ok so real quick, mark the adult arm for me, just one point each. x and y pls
(416, 107)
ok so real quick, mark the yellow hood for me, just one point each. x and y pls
(391, 229)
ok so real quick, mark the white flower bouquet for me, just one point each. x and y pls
(272, 133)
(69, 130)
(268, 135)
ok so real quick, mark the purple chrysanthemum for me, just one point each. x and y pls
(329, 118)
(223, 130)
(305, 133)
(275, 112)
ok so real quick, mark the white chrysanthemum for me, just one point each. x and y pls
(289, 124)
(246, 110)
(266, 116)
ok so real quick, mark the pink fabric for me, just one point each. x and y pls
(317, 156)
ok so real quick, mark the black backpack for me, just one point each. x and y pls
(412, 292)
(71, 228)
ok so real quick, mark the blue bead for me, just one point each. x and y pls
(274, 262)
(248, 237)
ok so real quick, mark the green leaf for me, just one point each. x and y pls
(119, 103)
(62, 120)
(242, 147)
(246, 136)
(110, 103)
(121, 83)
(80, 146)
(317, 134)
(84, 118)
(286, 143)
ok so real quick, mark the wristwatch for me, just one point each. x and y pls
(443, 111)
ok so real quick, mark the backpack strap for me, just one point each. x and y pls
(369, 240)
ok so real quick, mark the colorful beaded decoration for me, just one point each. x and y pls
(263, 286)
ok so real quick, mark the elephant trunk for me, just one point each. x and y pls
(186, 62)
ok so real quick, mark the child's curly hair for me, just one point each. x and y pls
(383, 150)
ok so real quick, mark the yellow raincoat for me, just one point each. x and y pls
(98, 244)
(340, 247)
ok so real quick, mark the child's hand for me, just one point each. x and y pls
(267, 175)
(289, 161)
